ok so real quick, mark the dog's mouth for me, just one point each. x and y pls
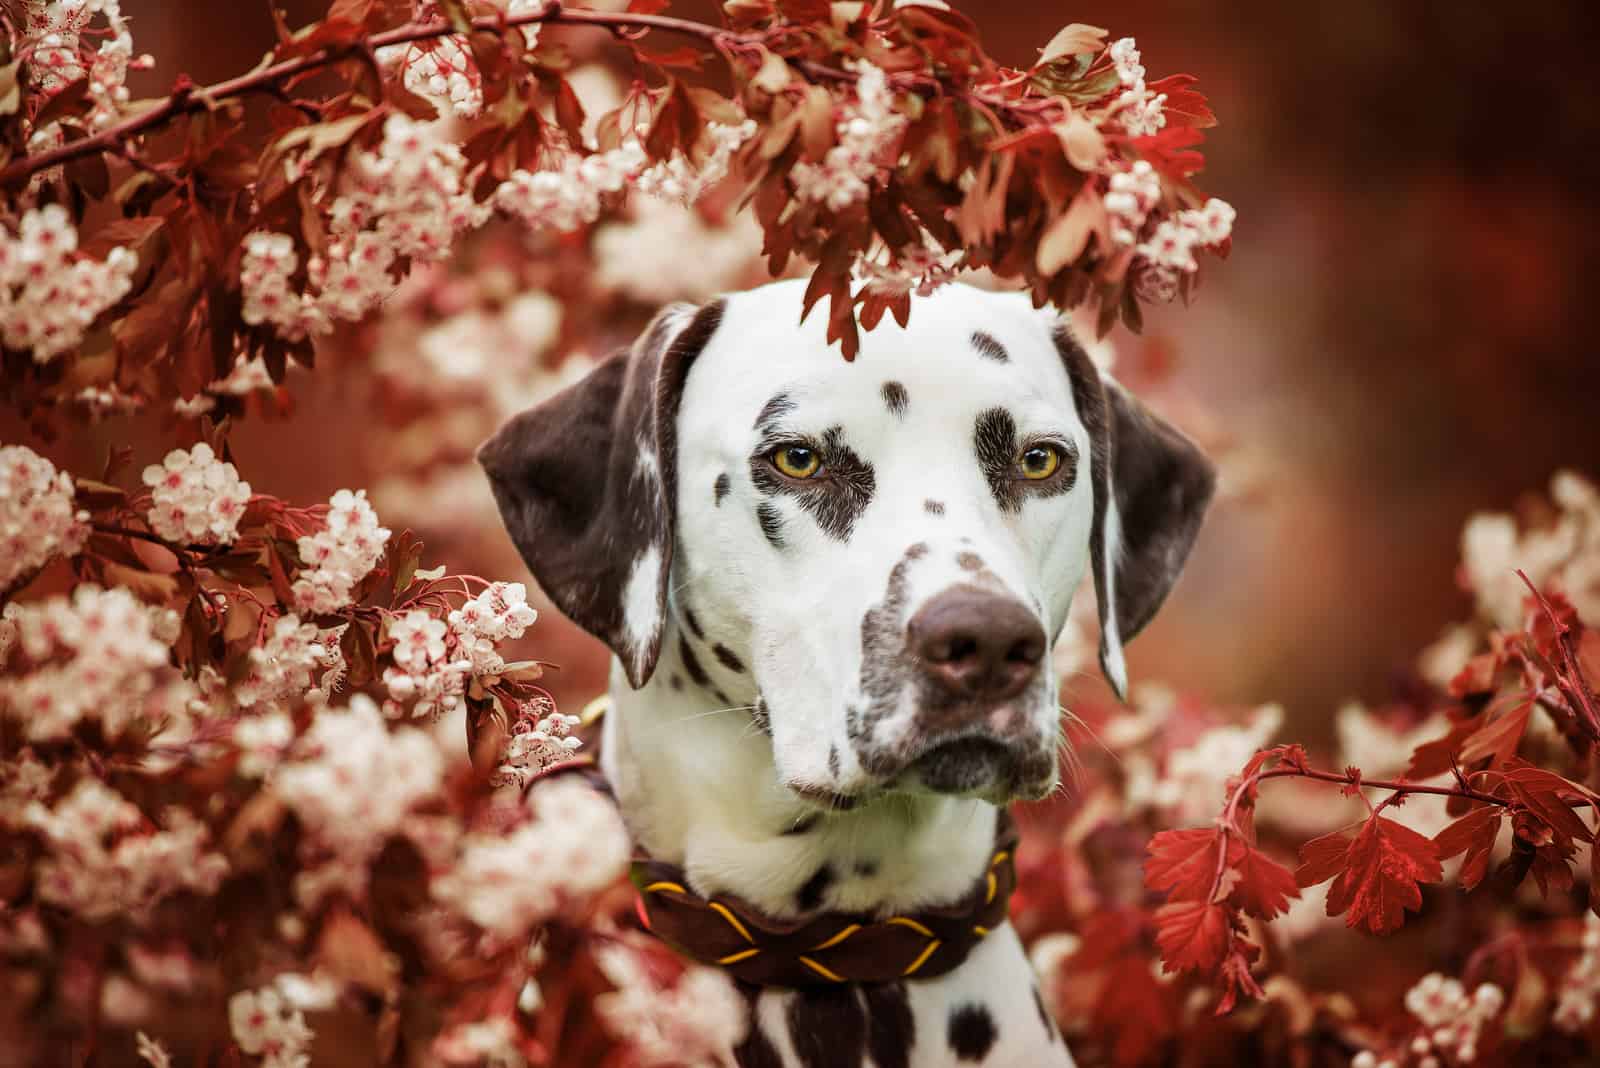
(985, 766)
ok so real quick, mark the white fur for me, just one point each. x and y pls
(641, 613)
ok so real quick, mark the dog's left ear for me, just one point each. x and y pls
(1151, 488)
(586, 483)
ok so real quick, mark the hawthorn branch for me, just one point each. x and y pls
(187, 99)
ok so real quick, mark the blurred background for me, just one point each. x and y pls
(1398, 340)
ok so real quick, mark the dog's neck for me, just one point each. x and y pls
(695, 779)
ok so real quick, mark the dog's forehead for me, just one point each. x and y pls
(963, 351)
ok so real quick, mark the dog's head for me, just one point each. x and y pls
(876, 555)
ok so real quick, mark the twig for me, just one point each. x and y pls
(188, 99)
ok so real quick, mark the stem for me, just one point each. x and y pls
(1377, 784)
(267, 79)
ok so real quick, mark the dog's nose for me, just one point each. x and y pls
(977, 644)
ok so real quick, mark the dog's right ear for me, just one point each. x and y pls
(586, 483)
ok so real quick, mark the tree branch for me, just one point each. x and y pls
(268, 79)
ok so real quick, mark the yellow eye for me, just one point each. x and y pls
(1039, 461)
(796, 461)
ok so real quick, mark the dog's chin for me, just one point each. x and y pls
(984, 767)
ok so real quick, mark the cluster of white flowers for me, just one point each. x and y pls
(499, 613)
(49, 295)
(916, 269)
(1575, 997)
(505, 883)
(353, 782)
(696, 1021)
(404, 200)
(55, 28)
(1133, 194)
(96, 653)
(265, 1023)
(570, 195)
(1140, 112)
(37, 518)
(281, 667)
(429, 668)
(442, 70)
(867, 129)
(1168, 254)
(1175, 239)
(105, 860)
(1563, 554)
(681, 181)
(540, 738)
(196, 498)
(1452, 1021)
(340, 555)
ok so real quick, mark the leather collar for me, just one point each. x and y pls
(830, 947)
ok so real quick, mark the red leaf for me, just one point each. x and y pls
(1236, 974)
(1192, 935)
(1440, 755)
(1184, 106)
(1543, 793)
(1498, 739)
(1386, 864)
(1183, 863)
(1473, 834)
(1265, 886)
(1322, 858)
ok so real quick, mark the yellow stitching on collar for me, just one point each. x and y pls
(735, 958)
(998, 857)
(825, 973)
(723, 911)
(980, 930)
(906, 921)
(836, 939)
(988, 897)
(921, 959)
(655, 888)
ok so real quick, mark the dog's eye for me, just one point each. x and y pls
(796, 461)
(1039, 461)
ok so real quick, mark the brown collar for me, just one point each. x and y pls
(832, 947)
(820, 950)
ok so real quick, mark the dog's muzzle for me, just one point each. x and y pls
(978, 655)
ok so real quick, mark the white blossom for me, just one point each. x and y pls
(1453, 1018)
(867, 128)
(506, 883)
(98, 655)
(265, 1023)
(196, 498)
(37, 519)
(340, 555)
(50, 294)
(697, 1021)
(101, 862)
(406, 199)
(353, 782)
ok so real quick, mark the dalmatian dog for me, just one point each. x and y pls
(832, 588)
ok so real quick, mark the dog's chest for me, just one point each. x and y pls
(986, 1012)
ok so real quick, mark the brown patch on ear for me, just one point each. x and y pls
(586, 481)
